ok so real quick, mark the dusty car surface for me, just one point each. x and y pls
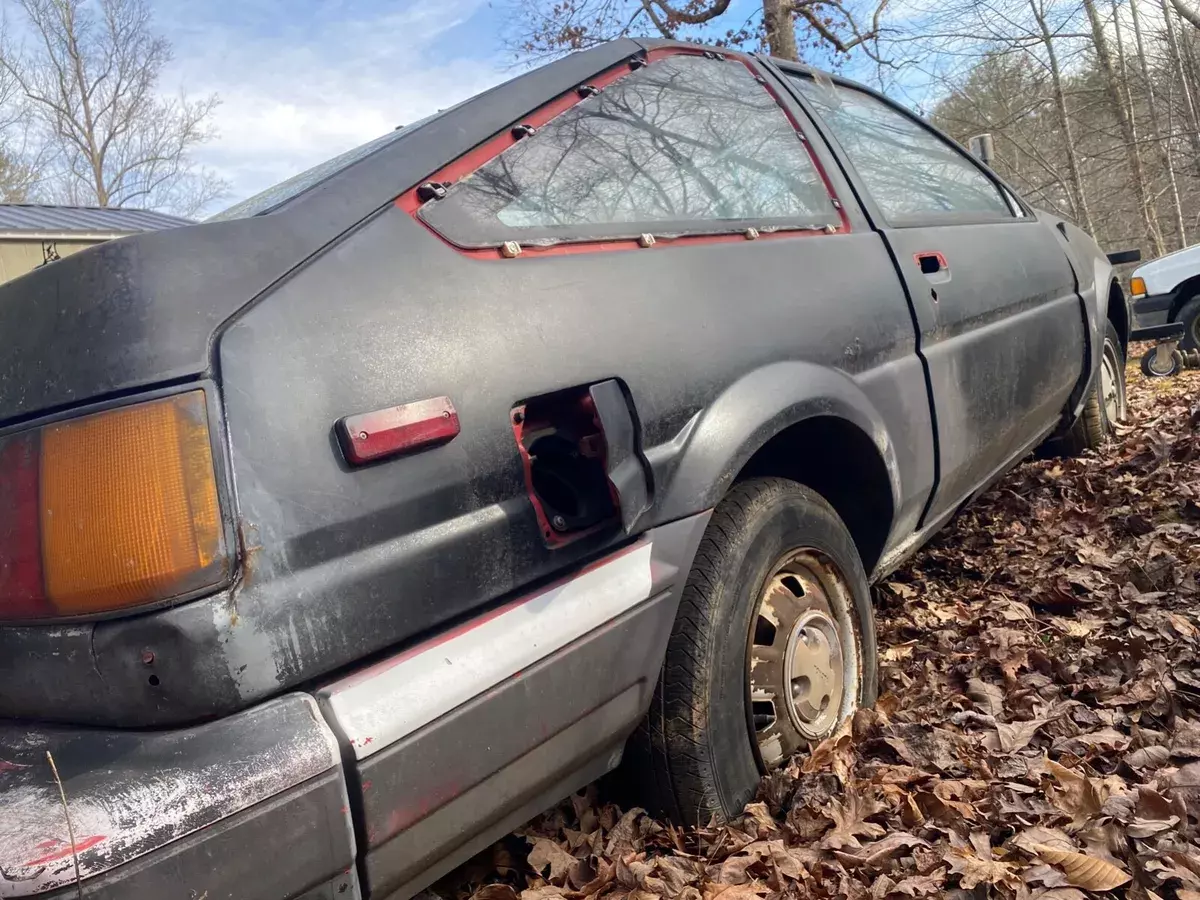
(346, 531)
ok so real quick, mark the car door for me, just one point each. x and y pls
(992, 293)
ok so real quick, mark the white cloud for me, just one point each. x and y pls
(297, 89)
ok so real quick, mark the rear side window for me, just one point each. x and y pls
(685, 144)
(910, 172)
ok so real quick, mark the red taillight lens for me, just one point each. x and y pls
(109, 511)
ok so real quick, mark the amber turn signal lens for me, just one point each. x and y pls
(129, 506)
(110, 511)
(1137, 287)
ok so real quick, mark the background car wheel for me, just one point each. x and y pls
(1189, 315)
(1105, 405)
(1151, 368)
(772, 649)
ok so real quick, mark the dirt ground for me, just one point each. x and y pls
(1037, 734)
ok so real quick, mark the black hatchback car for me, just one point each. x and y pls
(344, 532)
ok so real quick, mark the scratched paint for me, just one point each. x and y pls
(395, 698)
(131, 793)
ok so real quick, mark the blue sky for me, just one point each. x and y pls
(303, 80)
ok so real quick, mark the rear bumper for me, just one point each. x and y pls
(391, 776)
(253, 805)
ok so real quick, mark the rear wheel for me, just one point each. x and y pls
(1189, 315)
(1105, 405)
(772, 650)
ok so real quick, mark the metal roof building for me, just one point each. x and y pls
(21, 220)
(32, 235)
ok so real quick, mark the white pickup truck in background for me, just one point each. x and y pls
(1167, 290)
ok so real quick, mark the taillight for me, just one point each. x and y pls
(109, 511)
(1137, 286)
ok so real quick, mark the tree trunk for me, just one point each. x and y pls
(1079, 201)
(1164, 144)
(1124, 119)
(781, 30)
(1186, 12)
(1193, 119)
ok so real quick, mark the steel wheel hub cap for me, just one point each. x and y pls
(1108, 388)
(814, 673)
(802, 658)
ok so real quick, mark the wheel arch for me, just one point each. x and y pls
(1184, 291)
(840, 462)
(794, 420)
(1118, 312)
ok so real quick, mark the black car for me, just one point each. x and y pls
(346, 531)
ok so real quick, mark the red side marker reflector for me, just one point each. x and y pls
(399, 429)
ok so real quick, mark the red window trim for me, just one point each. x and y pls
(490, 149)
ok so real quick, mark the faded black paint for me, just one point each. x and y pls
(340, 302)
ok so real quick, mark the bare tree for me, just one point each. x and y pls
(1060, 104)
(1187, 12)
(1124, 117)
(91, 75)
(1156, 122)
(551, 27)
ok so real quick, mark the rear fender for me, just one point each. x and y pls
(1093, 274)
(698, 466)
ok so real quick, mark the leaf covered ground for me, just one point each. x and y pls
(1037, 734)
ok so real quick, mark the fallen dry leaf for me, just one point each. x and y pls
(849, 822)
(1040, 687)
(1083, 871)
(546, 854)
(974, 871)
(1011, 737)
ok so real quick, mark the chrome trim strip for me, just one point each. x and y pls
(392, 699)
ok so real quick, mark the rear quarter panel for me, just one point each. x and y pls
(717, 343)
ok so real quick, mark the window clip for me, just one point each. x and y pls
(637, 62)
(587, 90)
(713, 54)
(431, 190)
(521, 131)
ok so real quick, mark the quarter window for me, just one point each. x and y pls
(910, 172)
(684, 144)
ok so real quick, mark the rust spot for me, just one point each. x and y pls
(63, 849)
(6, 766)
(248, 537)
(366, 785)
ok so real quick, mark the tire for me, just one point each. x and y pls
(1095, 425)
(694, 757)
(1189, 315)
(1174, 364)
